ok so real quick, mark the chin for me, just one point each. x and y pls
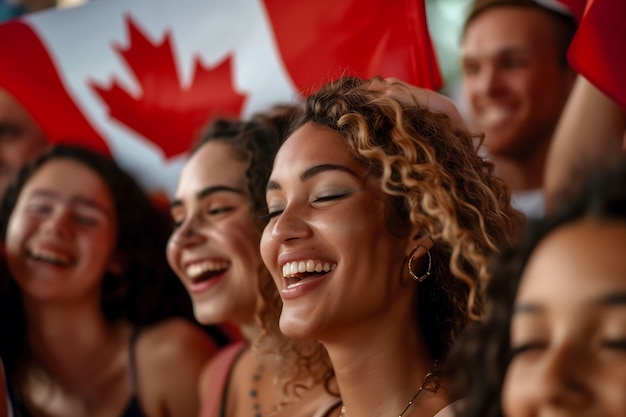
(296, 327)
(207, 316)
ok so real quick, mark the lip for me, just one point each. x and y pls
(202, 287)
(303, 287)
(308, 284)
(494, 117)
(64, 256)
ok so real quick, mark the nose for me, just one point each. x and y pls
(289, 225)
(563, 377)
(488, 81)
(186, 234)
(58, 223)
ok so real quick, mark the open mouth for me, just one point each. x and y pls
(296, 272)
(205, 271)
(50, 257)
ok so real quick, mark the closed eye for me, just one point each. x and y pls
(617, 344)
(328, 198)
(271, 214)
(333, 195)
(40, 208)
(85, 220)
(525, 348)
(219, 210)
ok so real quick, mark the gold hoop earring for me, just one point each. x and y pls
(410, 266)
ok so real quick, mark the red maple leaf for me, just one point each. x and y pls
(165, 113)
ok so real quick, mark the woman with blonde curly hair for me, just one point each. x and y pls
(382, 217)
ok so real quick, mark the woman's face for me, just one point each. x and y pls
(568, 332)
(214, 248)
(62, 233)
(327, 244)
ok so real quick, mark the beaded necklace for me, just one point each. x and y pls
(254, 392)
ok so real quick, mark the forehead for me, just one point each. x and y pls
(67, 178)
(504, 27)
(214, 163)
(576, 262)
(313, 144)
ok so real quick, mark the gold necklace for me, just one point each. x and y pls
(419, 390)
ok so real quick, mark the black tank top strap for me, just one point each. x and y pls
(133, 409)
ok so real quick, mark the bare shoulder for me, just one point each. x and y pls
(170, 357)
(173, 340)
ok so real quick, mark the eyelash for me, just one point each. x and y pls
(219, 210)
(321, 199)
(331, 197)
(518, 350)
(619, 344)
(270, 215)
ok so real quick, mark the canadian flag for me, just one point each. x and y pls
(138, 79)
(598, 50)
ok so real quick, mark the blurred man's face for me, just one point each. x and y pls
(20, 138)
(512, 79)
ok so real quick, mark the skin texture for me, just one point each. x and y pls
(216, 225)
(515, 87)
(370, 176)
(319, 201)
(20, 138)
(211, 210)
(588, 113)
(74, 225)
(60, 239)
(319, 218)
(568, 331)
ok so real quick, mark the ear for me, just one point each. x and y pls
(418, 246)
(116, 265)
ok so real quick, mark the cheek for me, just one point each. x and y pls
(101, 245)
(510, 395)
(243, 241)
(17, 230)
(172, 253)
(267, 250)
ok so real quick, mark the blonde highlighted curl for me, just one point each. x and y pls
(429, 166)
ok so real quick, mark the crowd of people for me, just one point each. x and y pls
(364, 252)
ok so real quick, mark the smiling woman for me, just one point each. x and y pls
(382, 218)
(87, 303)
(214, 250)
(554, 342)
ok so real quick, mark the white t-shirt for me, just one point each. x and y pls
(530, 202)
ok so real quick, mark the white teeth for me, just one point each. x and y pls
(299, 267)
(198, 269)
(48, 256)
(495, 115)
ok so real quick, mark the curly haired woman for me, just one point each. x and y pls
(382, 218)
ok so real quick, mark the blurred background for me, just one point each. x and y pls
(445, 18)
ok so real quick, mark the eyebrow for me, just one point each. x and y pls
(609, 300)
(75, 200)
(205, 192)
(509, 50)
(311, 172)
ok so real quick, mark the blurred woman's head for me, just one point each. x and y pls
(553, 338)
